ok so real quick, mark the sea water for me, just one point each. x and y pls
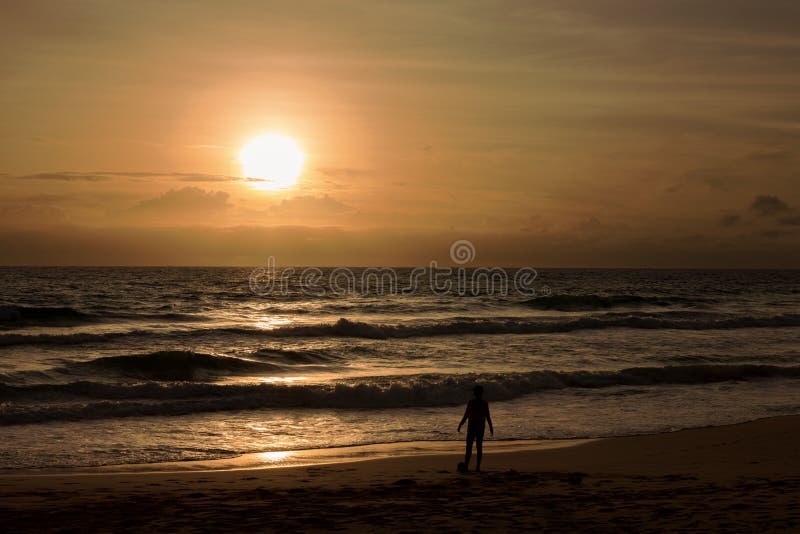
(104, 366)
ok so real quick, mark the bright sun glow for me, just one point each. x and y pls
(274, 159)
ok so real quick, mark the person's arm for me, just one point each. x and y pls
(464, 419)
(489, 419)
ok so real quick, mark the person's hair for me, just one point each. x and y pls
(478, 391)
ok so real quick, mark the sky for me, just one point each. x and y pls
(569, 133)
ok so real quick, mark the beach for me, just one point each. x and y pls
(738, 477)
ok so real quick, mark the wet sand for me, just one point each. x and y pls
(737, 477)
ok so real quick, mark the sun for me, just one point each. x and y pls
(274, 159)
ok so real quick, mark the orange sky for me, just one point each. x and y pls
(550, 133)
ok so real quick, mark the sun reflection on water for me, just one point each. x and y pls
(282, 379)
(275, 456)
(270, 323)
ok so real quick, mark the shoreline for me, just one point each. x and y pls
(719, 477)
(343, 454)
(303, 457)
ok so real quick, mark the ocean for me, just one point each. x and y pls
(103, 366)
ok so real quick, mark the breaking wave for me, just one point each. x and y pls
(458, 326)
(77, 338)
(27, 316)
(171, 365)
(93, 400)
(599, 302)
(346, 328)
(50, 316)
(296, 357)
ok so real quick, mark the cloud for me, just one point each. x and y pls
(306, 210)
(719, 183)
(707, 15)
(42, 197)
(64, 177)
(730, 220)
(773, 209)
(343, 172)
(177, 176)
(776, 234)
(188, 197)
(190, 205)
(716, 179)
(770, 154)
(592, 224)
(182, 176)
(207, 147)
(30, 215)
(100, 176)
(768, 205)
(207, 178)
(309, 205)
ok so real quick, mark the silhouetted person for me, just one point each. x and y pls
(478, 414)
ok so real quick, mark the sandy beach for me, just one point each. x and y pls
(738, 477)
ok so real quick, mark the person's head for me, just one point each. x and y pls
(478, 391)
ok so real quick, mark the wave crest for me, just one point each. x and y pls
(459, 326)
(46, 315)
(599, 302)
(171, 366)
(346, 328)
(115, 400)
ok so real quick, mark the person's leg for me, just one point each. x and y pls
(468, 455)
(479, 451)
